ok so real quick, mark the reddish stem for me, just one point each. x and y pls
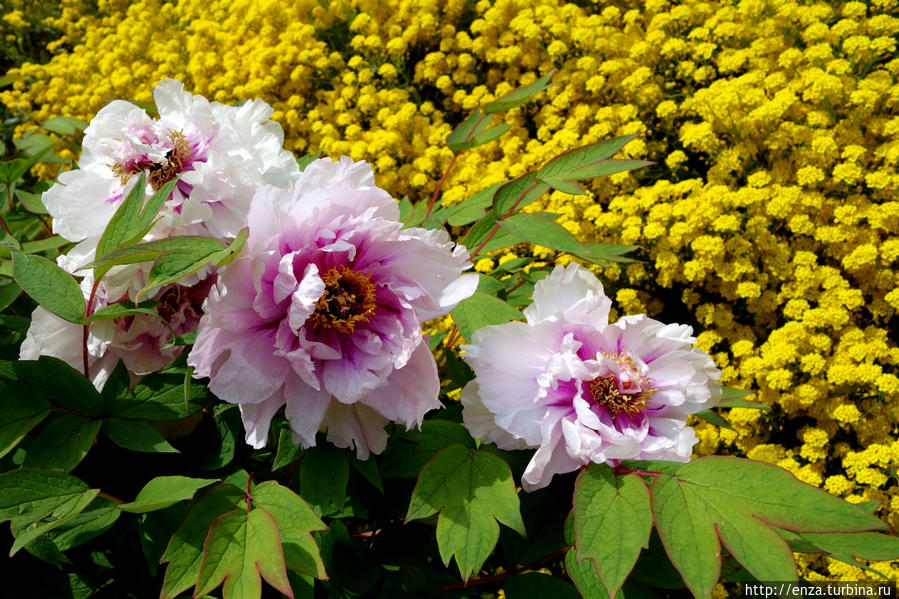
(454, 335)
(439, 185)
(446, 172)
(506, 215)
(88, 310)
(619, 470)
(5, 226)
(504, 575)
(110, 497)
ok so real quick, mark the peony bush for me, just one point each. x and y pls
(765, 224)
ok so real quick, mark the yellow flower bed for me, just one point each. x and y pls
(770, 219)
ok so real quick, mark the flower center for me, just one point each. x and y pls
(158, 173)
(625, 392)
(348, 300)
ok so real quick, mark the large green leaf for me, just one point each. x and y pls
(185, 550)
(121, 225)
(49, 285)
(37, 501)
(62, 385)
(518, 193)
(62, 442)
(9, 291)
(565, 165)
(150, 250)
(471, 209)
(473, 132)
(541, 230)
(241, 547)
(136, 435)
(846, 547)
(296, 523)
(481, 310)
(23, 408)
(612, 522)
(324, 473)
(163, 491)
(157, 397)
(91, 522)
(406, 455)
(584, 577)
(174, 265)
(472, 491)
(740, 501)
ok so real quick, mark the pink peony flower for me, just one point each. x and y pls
(222, 154)
(582, 390)
(322, 311)
(140, 341)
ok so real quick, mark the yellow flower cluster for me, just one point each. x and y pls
(770, 219)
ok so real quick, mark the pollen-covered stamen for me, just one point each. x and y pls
(159, 173)
(348, 300)
(625, 392)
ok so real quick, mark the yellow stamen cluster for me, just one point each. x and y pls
(349, 299)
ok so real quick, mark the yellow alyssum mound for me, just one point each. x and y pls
(770, 219)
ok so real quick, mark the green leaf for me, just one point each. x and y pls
(324, 473)
(688, 537)
(585, 578)
(62, 442)
(185, 550)
(225, 438)
(136, 435)
(715, 418)
(145, 252)
(147, 217)
(463, 136)
(31, 201)
(157, 397)
(36, 148)
(23, 408)
(743, 403)
(612, 522)
(566, 183)
(63, 386)
(481, 310)
(42, 245)
(287, 452)
(120, 226)
(518, 193)
(9, 291)
(241, 547)
(64, 125)
(846, 546)
(125, 308)
(540, 230)
(584, 158)
(164, 491)
(472, 490)
(520, 95)
(228, 254)
(49, 285)
(303, 161)
(732, 392)
(473, 208)
(91, 522)
(532, 585)
(740, 501)
(405, 457)
(296, 523)
(174, 265)
(664, 466)
(37, 501)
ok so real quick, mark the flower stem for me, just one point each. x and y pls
(504, 216)
(439, 185)
(504, 575)
(5, 226)
(88, 310)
